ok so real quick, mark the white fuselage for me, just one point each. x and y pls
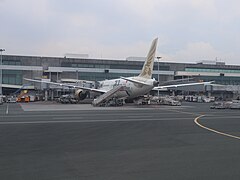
(132, 89)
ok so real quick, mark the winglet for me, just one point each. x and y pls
(148, 65)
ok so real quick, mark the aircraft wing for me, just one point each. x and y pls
(135, 81)
(182, 85)
(67, 85)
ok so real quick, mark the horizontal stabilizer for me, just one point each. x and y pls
(135, 81)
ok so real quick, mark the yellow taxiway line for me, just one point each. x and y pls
(215, 131)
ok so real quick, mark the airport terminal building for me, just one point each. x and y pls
(15, 68)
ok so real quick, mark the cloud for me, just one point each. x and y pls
(96, 50)
(188, 29)
(198, 51)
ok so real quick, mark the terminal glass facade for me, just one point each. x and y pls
(212, 70)
(95, 76)
(221, 79)
(13, 77)
(224, 80)
(12, 62)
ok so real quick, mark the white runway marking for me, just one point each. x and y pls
(213, 130)
(75, 115)
(79, 107)
(76, 120)
(7, 109)
(222, 117)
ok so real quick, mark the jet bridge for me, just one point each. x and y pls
(104, 99)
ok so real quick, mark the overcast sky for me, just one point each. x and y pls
(188, 30)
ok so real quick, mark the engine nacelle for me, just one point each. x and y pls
(81, 94)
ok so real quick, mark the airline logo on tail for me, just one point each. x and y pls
(148, 65)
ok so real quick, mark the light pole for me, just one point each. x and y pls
(76, 74)
(158, 57)
(1, 50)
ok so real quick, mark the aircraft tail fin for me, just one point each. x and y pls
(148, 65)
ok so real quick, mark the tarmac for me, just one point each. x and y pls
(49, 141)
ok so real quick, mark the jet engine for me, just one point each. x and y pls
(81, 94)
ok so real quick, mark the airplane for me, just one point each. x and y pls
(124, 87)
